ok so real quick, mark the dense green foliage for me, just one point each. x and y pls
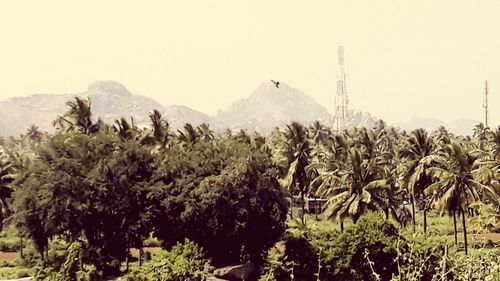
(113, 187)
(104, 189)
(224, 196)
(184, 262)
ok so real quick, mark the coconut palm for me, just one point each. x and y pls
(160, 127)
(189, 135)
(352, 189)
(6, 178)
(33, 134)
(126, 130)
(319, 133)
(455, 188)
(78, 117)
(205, 133)
(298, 155)
(417, 154)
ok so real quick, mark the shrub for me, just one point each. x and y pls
(71, 270)
(184, 262)
(372, 238)
(293, 253)
(151, 242)
(9, 244)
(480, 265)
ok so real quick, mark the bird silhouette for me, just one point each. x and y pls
(276, 83)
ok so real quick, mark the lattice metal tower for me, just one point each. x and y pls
(341, 99)
(485, 104)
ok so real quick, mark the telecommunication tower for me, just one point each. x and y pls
(485, 104)
(341, 99)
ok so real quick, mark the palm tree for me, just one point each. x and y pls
(78, 117)
(189, 135)
(124, 129)
(205, 133)
(6, 178)
(319, 133)
(441, 136)
(417, 154)
(352, 189)
(297, 153)
(161, 128)
(33, 134)
(455, 188)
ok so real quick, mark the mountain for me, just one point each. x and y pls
(269, 106)
(459, 127)
(110, 101)
(178, 115)
(16, 114)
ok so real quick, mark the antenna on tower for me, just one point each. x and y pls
(341, 99)
(485, 104)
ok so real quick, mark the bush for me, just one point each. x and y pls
(184, 262)
(72, 269)
(372, 238)
(481, 265)
(22, 272)
(151, 242)
(9, 244)
(15, 273)
(293, 253)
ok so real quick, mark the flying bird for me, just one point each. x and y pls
(276, 83)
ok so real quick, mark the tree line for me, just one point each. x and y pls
(112, 185)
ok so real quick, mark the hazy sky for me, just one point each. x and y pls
(403, 58)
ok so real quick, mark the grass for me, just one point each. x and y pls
(9, 240)
(15, 272)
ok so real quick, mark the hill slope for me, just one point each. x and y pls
(269, 106)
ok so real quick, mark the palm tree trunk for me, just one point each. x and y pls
(140, 251)
(128, 254)
(341, 225)
(465, 229)
(425, 219)
(21, 247)
(316, 208)
(303, 207)
(413, 213)
(455, 226)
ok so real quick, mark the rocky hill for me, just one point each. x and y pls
(266, 107)
(270, 106)
(110, 101)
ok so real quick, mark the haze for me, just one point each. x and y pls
(403, 59)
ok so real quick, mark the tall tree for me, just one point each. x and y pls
(6, 179)
(417, 154)
(455, 188)
(352, 189)
(33, 134)
(298, 154)
(78, 118)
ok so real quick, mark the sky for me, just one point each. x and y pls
(403, 58)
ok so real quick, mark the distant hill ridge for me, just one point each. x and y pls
(266, 107)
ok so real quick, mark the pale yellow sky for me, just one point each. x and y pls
(403, 58)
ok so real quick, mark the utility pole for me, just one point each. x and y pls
(485, 104)
(341, 99)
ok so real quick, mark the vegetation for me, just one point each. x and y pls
(184, 262)
(80, 199)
